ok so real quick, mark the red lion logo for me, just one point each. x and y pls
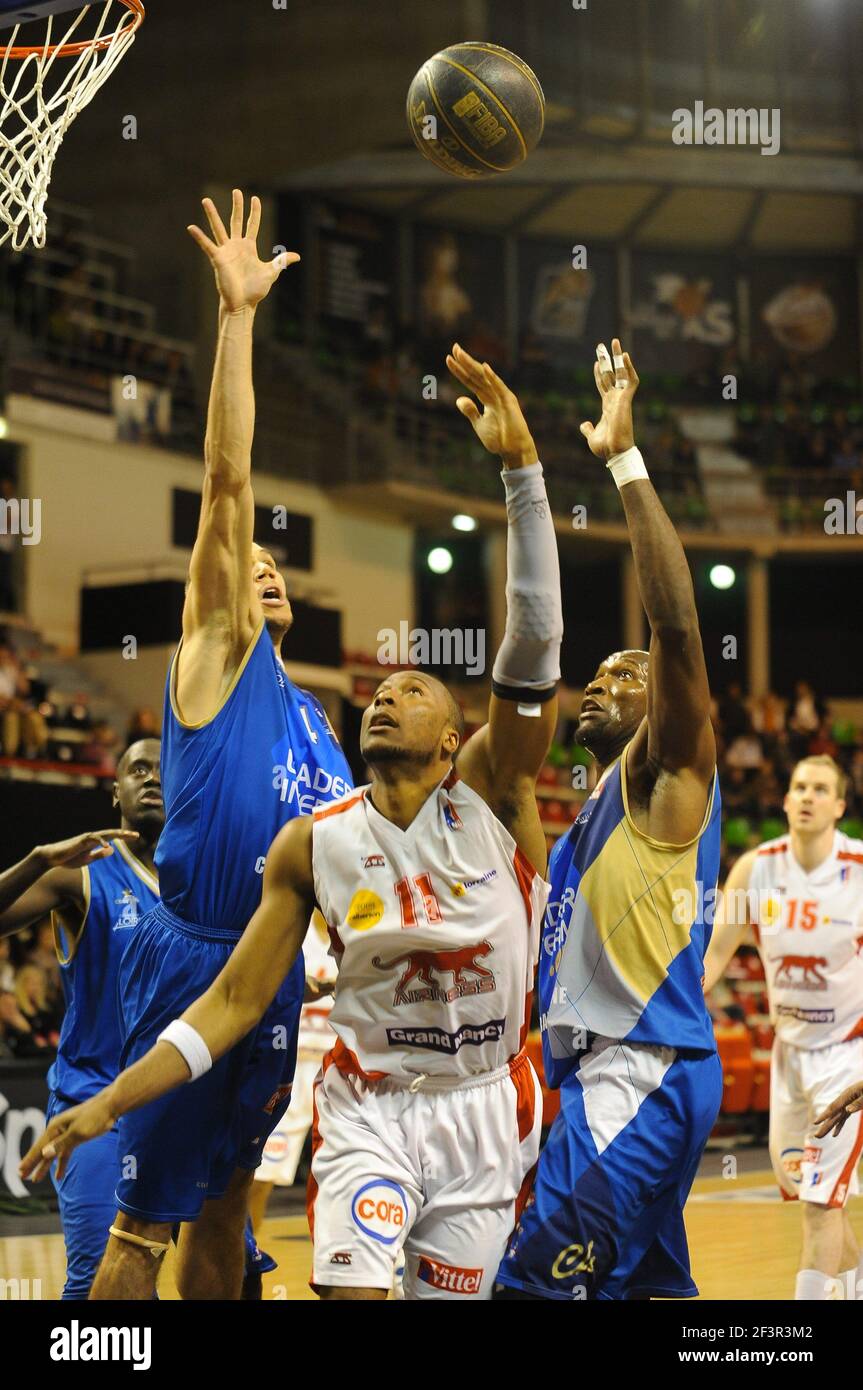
(811, 966)
(423, 966)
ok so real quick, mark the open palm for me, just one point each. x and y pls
(500, 426)
(616, 387)
(242, 278)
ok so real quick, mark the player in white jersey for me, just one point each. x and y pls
(284, 1148)
(430, 880)
(802, 895)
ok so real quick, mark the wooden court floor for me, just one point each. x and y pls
(744, 1243)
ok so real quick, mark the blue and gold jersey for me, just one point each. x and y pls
(231, 782)
(118, 891)
(624, 934)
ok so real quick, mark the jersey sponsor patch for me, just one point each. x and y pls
(465, 886)
(806, 1015)
(366, 910)
(430, 968)
(374, 861)
(450, 1277)
(129, 913)
(791, 1160)
(380, 1209)
(438, 1040)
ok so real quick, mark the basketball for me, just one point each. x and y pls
(475, 110)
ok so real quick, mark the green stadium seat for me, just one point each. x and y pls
(845, 733)
(853, 826)
(771, 828)
(737, 832)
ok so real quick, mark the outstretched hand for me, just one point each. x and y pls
(66, 1131)
(617, 385)
(839, 1110)
(500, 427)
(242, 278)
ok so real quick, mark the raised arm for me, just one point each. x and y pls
(225, 1013)
(50, 878)
(677, 737)
(730, 921)
(219, 616)
(502, 759)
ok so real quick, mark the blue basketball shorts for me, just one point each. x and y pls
(604, 1218)
(87, 1203)
(182, 1149)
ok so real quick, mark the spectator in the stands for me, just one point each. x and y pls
(768, 718)
(738, 793)
(22, 727)
(805, 713)
(8, 544)
(31, 993)
(143, 724)
(43, 953)
(78, 715)
(822, 741)
(733, 714)
(770, 789)
(745, 751)
(100, 748)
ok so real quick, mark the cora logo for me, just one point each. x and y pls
(791, 1160)
(380, 1210)
(276, 1148)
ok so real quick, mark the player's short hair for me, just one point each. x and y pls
(824, 760)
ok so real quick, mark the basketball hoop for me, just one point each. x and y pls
(43, 87)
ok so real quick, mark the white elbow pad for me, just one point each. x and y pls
(190, 1045)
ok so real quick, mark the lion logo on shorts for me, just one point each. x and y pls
(423, 966)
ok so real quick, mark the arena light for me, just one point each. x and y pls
(462, 522)
(440, 560)
(4, 428)
(722, 576)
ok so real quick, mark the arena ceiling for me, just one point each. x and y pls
(641, 194)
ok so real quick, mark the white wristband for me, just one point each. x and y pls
(190, 1045)
(627, 467)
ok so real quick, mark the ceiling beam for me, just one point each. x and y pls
(671, 165)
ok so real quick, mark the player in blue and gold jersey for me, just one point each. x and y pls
(626, 1034)
(244, 750)
(96, 887)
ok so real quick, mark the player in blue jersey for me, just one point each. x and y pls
(243, 751)
(96, 886)
(626, 1034)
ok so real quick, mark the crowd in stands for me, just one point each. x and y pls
(35, 727)
(31, 996)
(759, 742)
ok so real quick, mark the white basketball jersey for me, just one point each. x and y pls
(316, 1035)
(436, 933)
(809, 928)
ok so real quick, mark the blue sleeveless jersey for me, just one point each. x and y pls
(624, 934)
(230, 784)
(118, 891)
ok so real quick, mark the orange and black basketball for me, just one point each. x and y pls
(475, 110)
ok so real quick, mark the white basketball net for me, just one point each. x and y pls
(41, 95)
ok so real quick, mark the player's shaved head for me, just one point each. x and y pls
(454, 715)
(614, 704)
(412, 718)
